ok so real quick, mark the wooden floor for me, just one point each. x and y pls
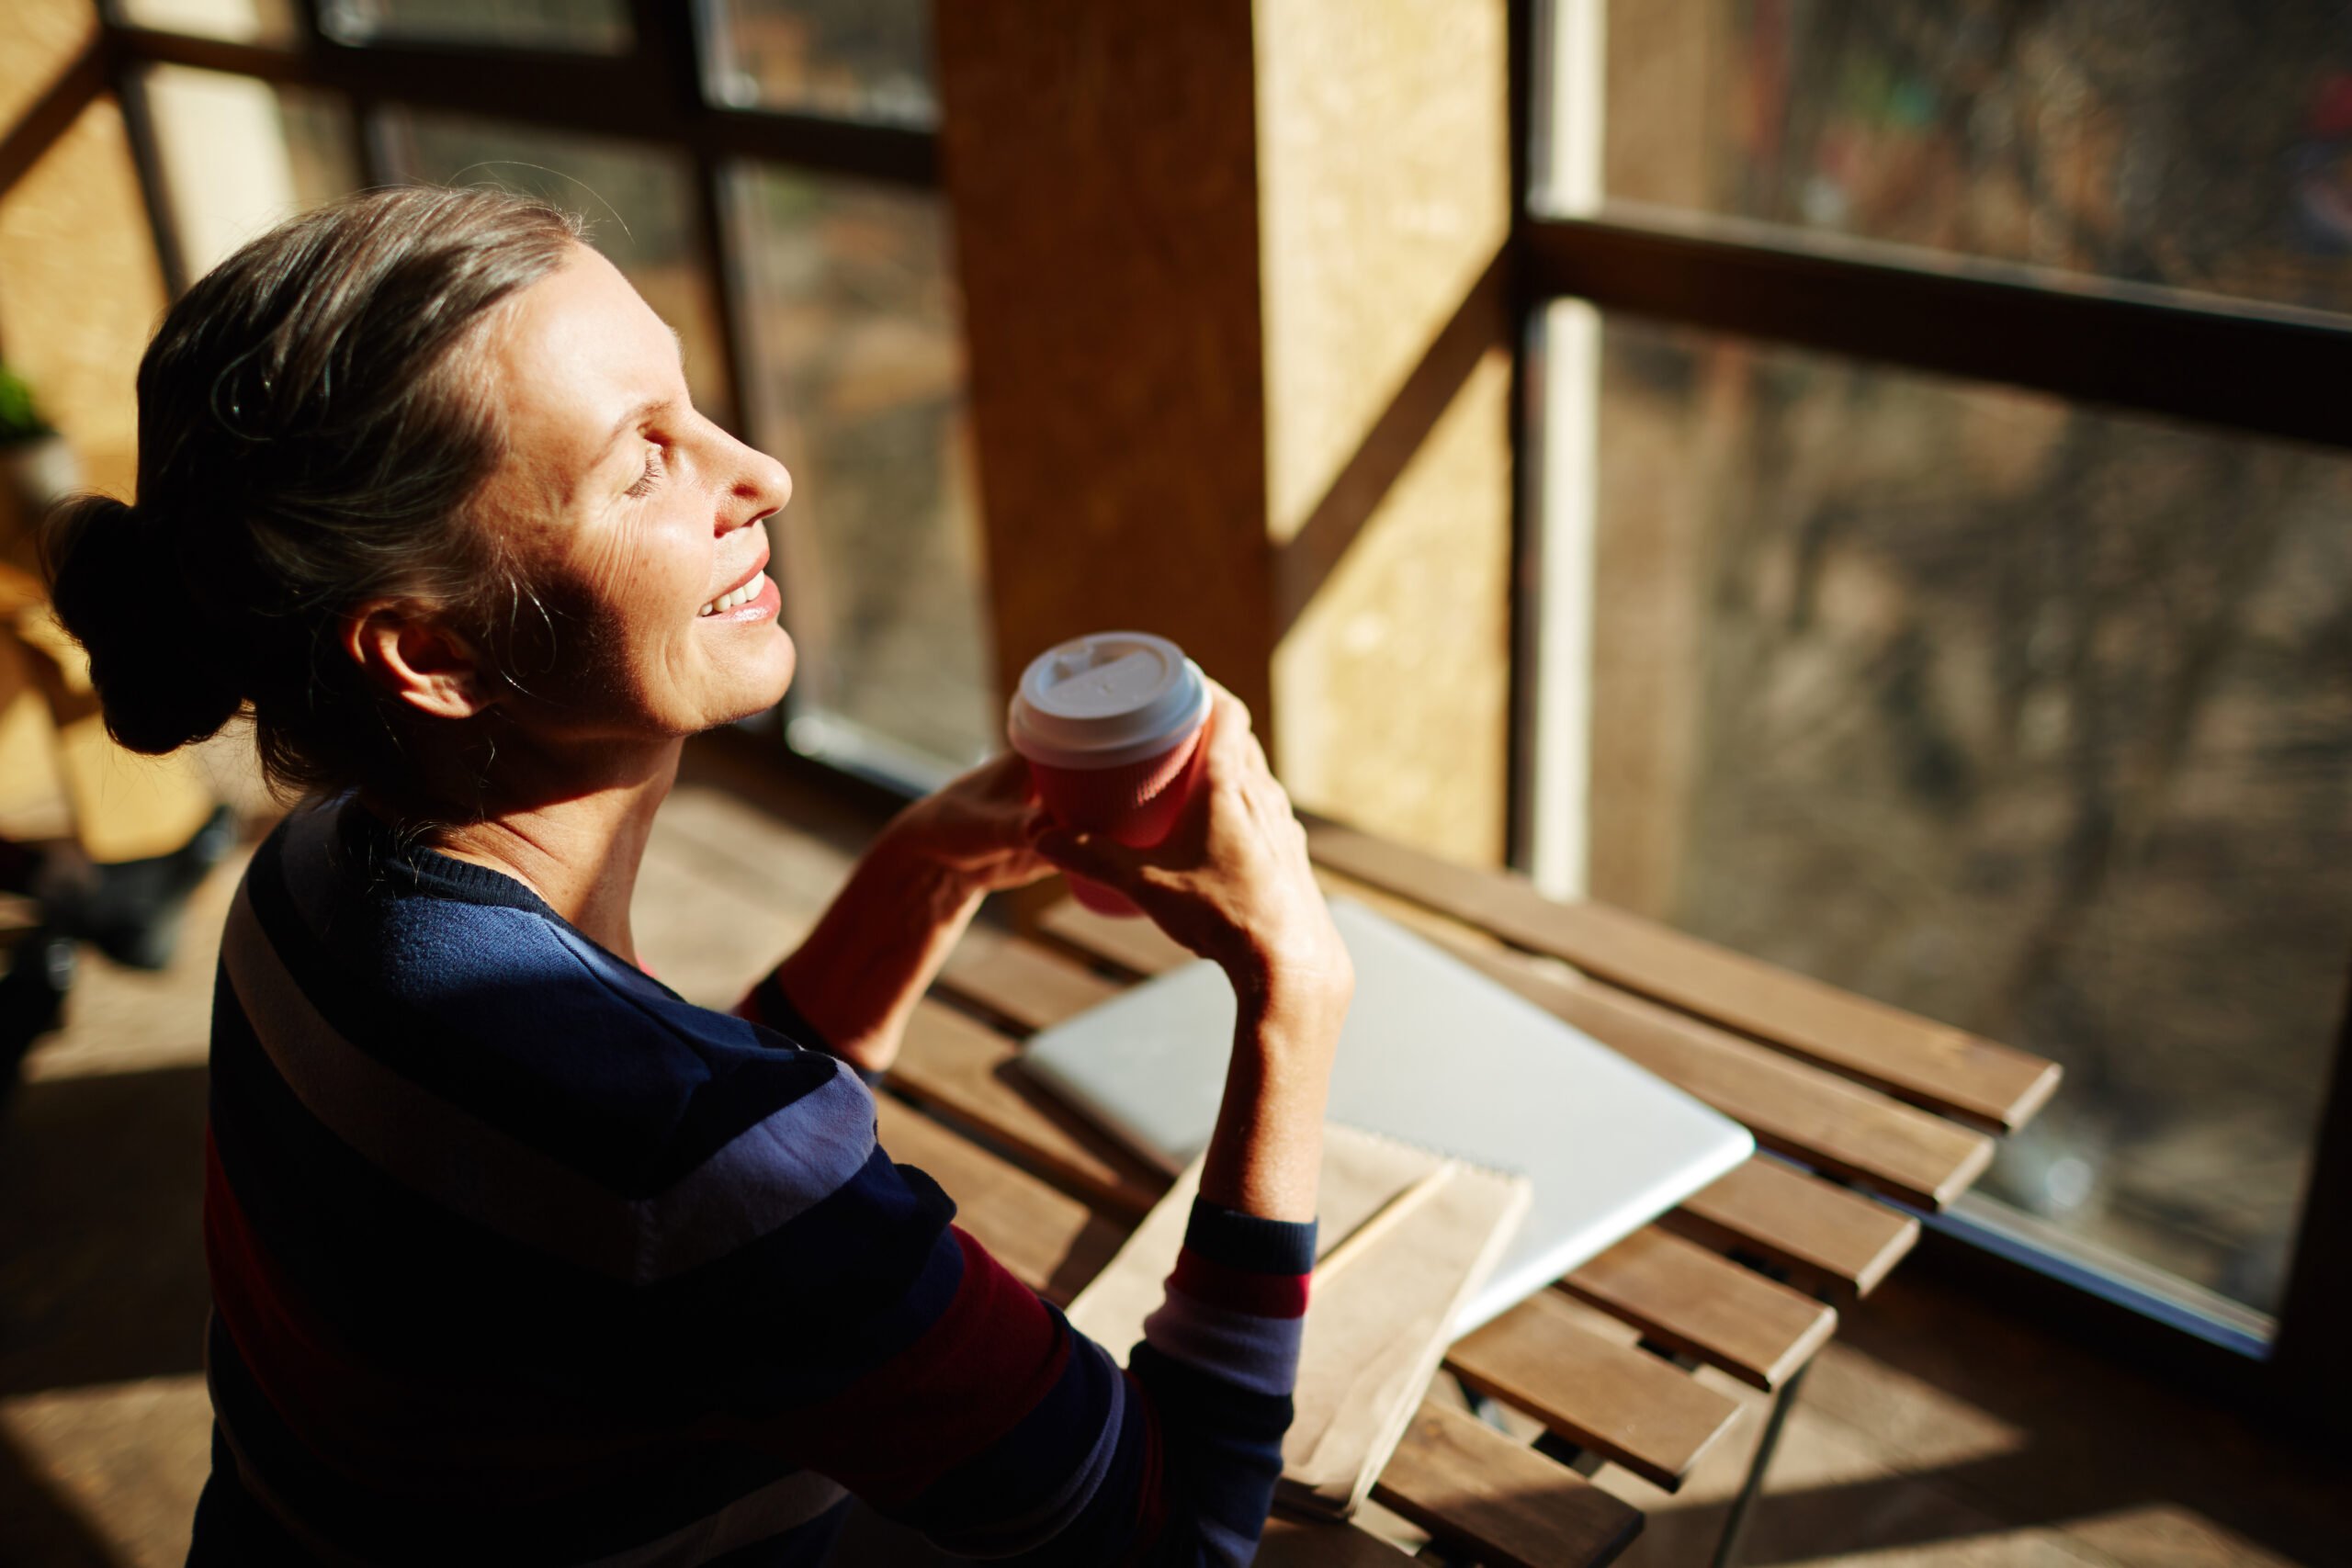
(1933, 1431)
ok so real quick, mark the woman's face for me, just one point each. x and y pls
(632, 516)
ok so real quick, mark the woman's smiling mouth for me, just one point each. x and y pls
(744, 592)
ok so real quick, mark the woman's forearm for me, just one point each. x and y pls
(871, 957)
(1266, 1154)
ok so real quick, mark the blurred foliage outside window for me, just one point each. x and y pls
(856, 381)
(587, 26)
(2175, 141)
(866, 60)
(2031, 718)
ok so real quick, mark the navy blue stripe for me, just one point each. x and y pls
(1222, 1448)
(1016, 1477)
(617, 1092)
(865, 1270)
(375, 852)
(1199, 1403)
(1250, 1241)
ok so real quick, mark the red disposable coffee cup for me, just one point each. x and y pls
(1111, 724)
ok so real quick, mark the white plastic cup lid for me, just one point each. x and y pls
(1105, 700)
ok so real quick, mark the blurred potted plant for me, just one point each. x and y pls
(37, 467)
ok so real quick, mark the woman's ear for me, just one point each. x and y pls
(414, 660)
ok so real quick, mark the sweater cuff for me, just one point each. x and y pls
(1236, 1302)
(1251, 1242)
(767, 1006)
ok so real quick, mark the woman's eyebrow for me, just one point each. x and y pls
(647, 408)
(631, 419)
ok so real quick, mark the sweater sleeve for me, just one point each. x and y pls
(874, 1341)
(1000, 1432)
(766, 1005)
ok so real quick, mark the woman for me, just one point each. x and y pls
(516, 1257)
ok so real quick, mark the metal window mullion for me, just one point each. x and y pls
(590, 94)
(2271, 371)
(163, 224)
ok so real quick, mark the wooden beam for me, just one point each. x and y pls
(53, 114)
(1102, 164)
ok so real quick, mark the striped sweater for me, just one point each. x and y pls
(519, 1257)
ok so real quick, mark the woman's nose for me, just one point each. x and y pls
(761, 483)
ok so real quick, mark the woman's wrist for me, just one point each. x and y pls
(857, 975)
(940, 892)
(1296, 984)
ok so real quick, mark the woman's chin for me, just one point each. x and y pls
(774, 678)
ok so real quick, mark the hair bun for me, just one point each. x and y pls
(117, 590)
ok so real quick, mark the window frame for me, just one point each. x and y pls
(2258, 368)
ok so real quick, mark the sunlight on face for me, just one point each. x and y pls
(632, 516)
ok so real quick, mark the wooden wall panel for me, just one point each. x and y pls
(1102, 164)
(1238, 368)
(1395, 685)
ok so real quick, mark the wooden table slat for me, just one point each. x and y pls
(1046, 1239)
(1301, 1543)
(1830, 1240)
(1024, 981)
(1702, 1305)
(1471, 1485)
(1815, 1117)
(1811, 1115)
(966, 1073)
(1915, 1058)
(1625, 1404)
(1138, 946)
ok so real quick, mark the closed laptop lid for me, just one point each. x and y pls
(1435, 1053)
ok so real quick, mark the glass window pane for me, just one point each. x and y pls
(2175, 141)
(238, 22)
(2032, 718)
(237, 155)
(851, 59)
(856, 379)
(639, 201)
(585, 26)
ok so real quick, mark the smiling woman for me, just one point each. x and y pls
(516, 1257)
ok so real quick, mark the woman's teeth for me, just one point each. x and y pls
(734, 596)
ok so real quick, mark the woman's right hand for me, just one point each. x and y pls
(1231, 881)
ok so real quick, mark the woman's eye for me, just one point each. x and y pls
(644, 484)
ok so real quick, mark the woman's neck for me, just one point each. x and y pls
(576, 835)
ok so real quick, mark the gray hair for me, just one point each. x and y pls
(309, 441)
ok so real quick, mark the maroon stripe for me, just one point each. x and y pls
(983, 1364)
(1239, 1290)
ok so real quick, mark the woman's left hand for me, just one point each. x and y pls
(980, 828)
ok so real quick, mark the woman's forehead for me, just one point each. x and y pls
(575, 353)
(573, 370)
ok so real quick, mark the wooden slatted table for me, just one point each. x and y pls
(1856, 1103)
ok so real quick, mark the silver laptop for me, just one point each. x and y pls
(1437, 1055)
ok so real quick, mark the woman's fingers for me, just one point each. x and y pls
(1095, 856)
